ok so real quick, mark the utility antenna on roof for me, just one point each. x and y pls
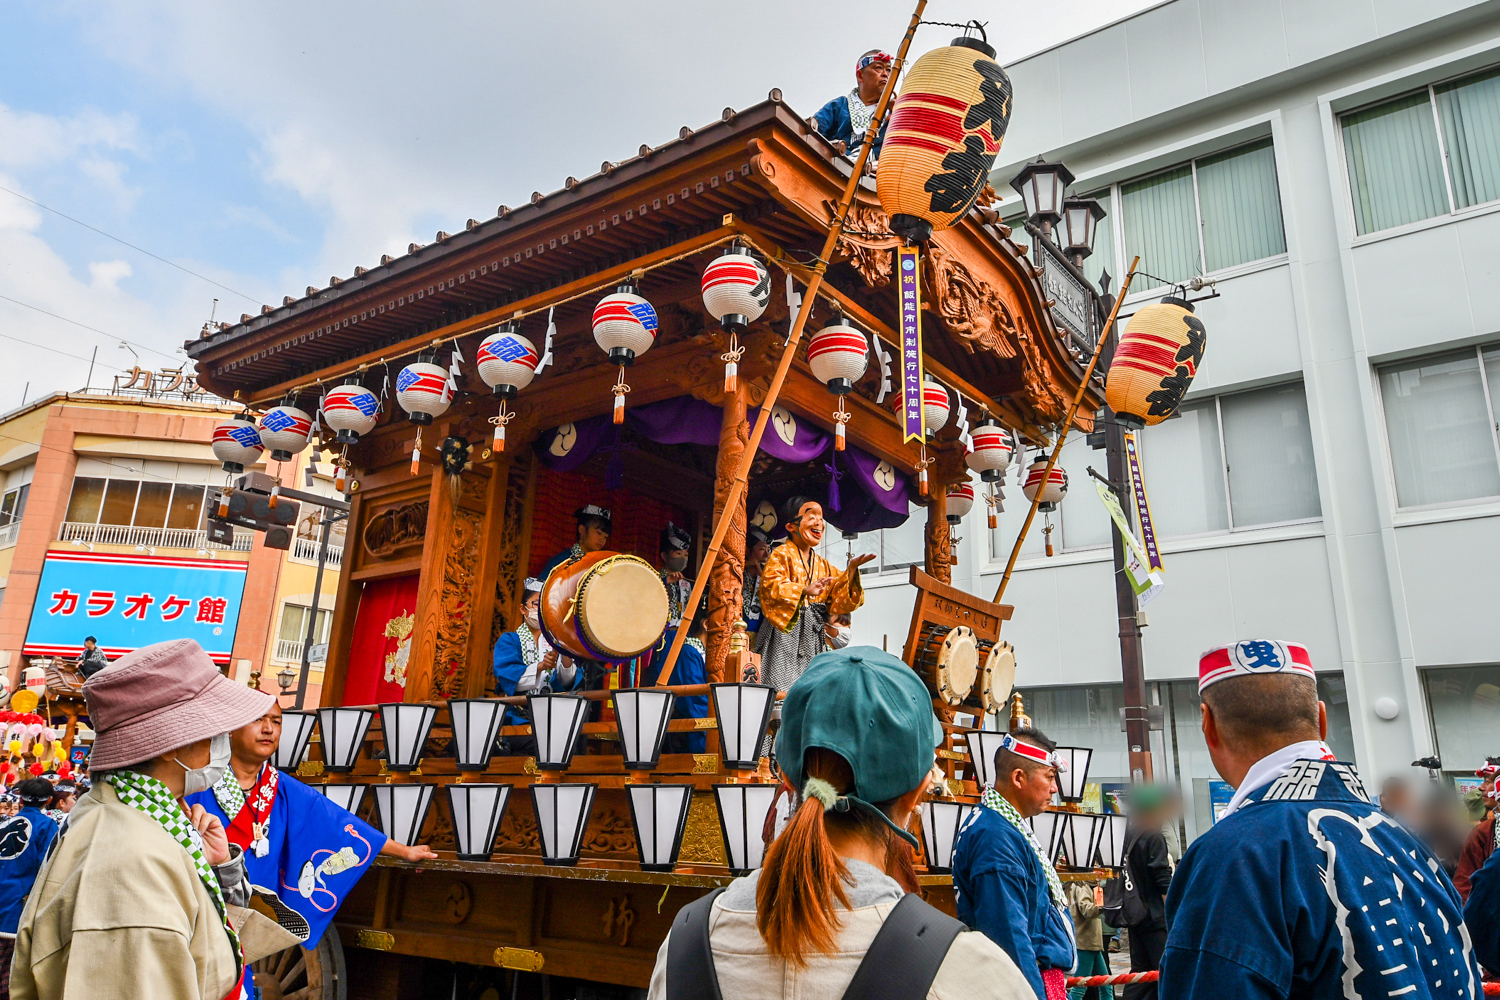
(208, 328)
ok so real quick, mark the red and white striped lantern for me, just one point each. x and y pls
(237, 443)
(285, 430)
(960, 502)
(934, 406)
(351, 410)
(991, 452)
(625, 325)
(507, 364)
(423, 391)
(1055, 488)
(736, 289)
(838, 355)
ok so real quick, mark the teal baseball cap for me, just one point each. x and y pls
(871, 709)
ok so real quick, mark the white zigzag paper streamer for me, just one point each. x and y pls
(547, 347)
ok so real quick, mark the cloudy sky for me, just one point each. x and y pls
(265, 145)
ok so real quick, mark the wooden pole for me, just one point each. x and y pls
(794, 337)
(1083, 386)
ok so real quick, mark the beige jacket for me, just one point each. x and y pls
(1087, 916)
(975, 969)
(118, 912)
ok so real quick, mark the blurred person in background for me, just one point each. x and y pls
(1149, 866)
(1480, 843)
(1441, 825)
(1086, 900)
(1396, 800)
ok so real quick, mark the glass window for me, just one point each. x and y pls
(1395, 170)
(1465, 706)
(21, 495)
(83, 505)
(1161, 224)
(1241, 206)
(187, 507)
(8, 508)
(293, 623)
(1081, 518)
(1269, 449)
(1469, 110)
(1184, 471)
(1440, 428)
(905, 545)
(1103, 257)
(119, 502)
(151, 506)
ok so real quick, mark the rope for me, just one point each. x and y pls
(1123, 978)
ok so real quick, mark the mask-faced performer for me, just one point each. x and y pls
(675, 543)
(799, 591)
(296, 841)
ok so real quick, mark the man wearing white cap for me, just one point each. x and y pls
(1303, 888)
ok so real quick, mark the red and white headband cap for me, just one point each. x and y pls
(1253, 656)
(1488, 771)
(1015, 746)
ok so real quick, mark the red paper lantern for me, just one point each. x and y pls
(960, 502)
(838, 355)
(934, 406)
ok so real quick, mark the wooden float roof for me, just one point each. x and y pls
(761, 174)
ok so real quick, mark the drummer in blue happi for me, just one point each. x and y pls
(1303, 888)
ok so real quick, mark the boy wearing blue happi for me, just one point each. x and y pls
(1303, 888)
(24, 841)
(1003, 882)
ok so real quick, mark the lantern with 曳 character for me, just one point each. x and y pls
(736, 288)
(1159, 353)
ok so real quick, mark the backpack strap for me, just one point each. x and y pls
(906, 954)
(690, 958)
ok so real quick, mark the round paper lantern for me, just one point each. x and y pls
(736, 288)
(1055, 488)
(945, 129)
(351, 410)
(507, 362)
(960, 501)
(624, 325)
(991, 452)
(934, 406)
(838, 355)
(422, 390)
(1159, 353)
(237, 443)
(285, 430)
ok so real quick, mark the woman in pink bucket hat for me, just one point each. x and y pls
(137, 898)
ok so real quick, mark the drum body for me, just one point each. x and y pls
(606, 606)
(948, 660)
(997, 675)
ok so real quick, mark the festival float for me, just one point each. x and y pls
(782, 322)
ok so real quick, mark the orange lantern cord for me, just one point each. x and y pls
(500, 420)
(993, 503)
(416, 452)
(922, 465)
(620, 390)
(731, 359)
(840, 418)
(1047, 532)
(340, 467)
(224, 501)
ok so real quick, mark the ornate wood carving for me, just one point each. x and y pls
(939, 548)
(514, 545)
(395, 528)
(726, 586)
(867, 242)
(609, 832)
(518, 833)
(452, 650)
(702, 843)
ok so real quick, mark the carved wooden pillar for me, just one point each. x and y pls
(725, 590)
(346, 606)
(939, 549)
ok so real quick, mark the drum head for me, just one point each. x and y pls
(622, 607)
(999, 677)
(957, 665)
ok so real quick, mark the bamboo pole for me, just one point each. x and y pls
(794, 337)
(1067, 424)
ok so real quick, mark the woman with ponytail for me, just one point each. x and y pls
(830, 915)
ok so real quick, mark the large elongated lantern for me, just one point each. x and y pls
(237, 443)
(838, 355)
(624, 325)
(423, 391)
(1159, 353)
(507, 364)
(285, 430)
(945, 128)
(736, 288)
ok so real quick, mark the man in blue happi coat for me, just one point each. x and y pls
(25, 839)
(844, 120)
(526, 663)
(1303, 888)
(1003, 881)
(691, 668)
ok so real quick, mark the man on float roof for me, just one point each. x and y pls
(844, 120)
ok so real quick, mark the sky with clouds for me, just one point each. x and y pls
(267, 145)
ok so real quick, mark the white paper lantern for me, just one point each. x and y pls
(476, 722)
(1111, 843)
(743, 711)
(402, 809)
(476, 811)
(742, 820)
(736, 289)
(507, 362)
(660, 814)
(982, 749)
(960, 501)
(296, 731)
(1047, 828)
(285, 430)
(991, 454)
(642, 715)
(940, 825)
(838, 356)
(343, 734)
(405, 728)
(934, 406)
(351, 410)
(562, 817)
(556, 721)
(422, 390)
(1073, 776)
(1080, 838)
(236, 443)
(625, 325)
(1056, 485)
(346, 797)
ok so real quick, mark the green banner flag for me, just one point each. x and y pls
(1145, 581)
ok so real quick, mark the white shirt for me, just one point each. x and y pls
(1273, 765)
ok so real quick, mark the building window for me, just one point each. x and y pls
(132, 502)
(1464, 703)
(13, 505)
(895, 549)
(1205, 215)
(1424, 154)
(1440, 422)
(294, 630)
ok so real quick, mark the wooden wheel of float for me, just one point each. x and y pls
(304, 974)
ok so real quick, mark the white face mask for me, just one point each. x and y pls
(201, 779)
(840, 637)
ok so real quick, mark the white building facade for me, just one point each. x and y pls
(1334, 475)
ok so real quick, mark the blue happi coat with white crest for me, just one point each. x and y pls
(1308, 890)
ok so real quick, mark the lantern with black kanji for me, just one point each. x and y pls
(285, 430)
(1159, 353)
(423, 391)
(838, 355)
(237, 443)
(507, 364)
(624, 325)
(736, 289)
(945, 129)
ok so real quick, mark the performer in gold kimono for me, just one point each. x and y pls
(799, 590)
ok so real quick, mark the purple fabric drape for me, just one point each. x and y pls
(683, 420)
(566, 447)
(880, 481)
(789, 437)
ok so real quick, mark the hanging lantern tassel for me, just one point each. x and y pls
(620, 390)
(731, 359)
(276, 488)
(500, 420)
(224, 502)
(416, 452)
(993, 504)
(1047, 533)
(340, 476)
(840, 418)
(922, 465)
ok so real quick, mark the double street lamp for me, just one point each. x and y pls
(1043, 188)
